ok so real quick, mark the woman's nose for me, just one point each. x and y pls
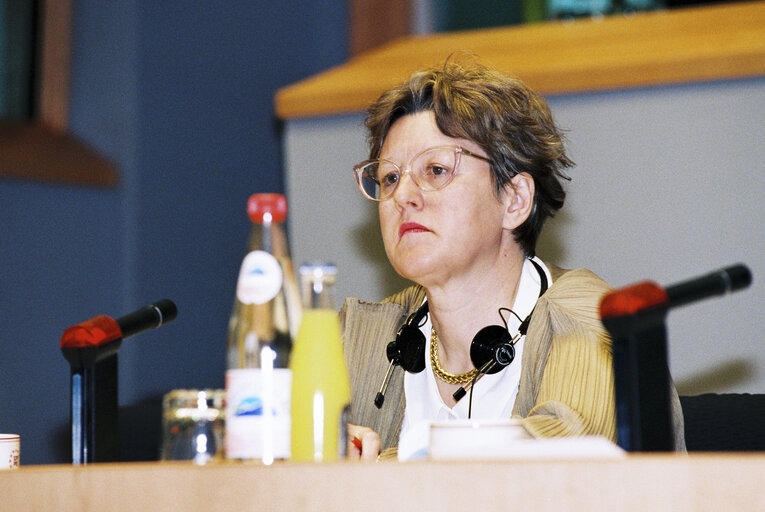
(407, 191)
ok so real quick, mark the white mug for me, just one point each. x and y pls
(10, 445)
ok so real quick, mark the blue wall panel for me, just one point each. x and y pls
(180, 97)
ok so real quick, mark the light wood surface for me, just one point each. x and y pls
(646, 49)
(635, 483)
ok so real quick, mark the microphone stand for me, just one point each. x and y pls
(94, 413)
(635, 317)
(91, 350)
(94, 410)
(641, 379)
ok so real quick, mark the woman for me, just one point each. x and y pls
(466, 167)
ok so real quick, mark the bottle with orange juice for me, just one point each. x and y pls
(320, 384)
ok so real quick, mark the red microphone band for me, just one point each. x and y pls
(95, 332)
(632, 299)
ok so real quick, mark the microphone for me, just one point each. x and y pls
(720, 282)
(407, 351)
(491, 350)
(634, 317)
(394, 358)
(148, 317)
(95, 339)
(648, 295)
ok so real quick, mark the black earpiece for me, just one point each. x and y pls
(406, 351)
(491, 350)
(492, 343)
(409, 347)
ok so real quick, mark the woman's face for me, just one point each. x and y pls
(433, 236)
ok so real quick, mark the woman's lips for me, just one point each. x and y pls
(411, 227)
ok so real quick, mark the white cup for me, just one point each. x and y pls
(10, 445)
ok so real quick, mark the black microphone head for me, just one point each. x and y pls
(739, 276)
(166, 309)
(148, 317)
(720, 282)
(492, 343)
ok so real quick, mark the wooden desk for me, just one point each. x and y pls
(640, 483)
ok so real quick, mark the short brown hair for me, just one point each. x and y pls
(509, 121)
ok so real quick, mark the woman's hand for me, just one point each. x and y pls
(369, 441)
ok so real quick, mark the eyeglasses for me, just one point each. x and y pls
(432, 169)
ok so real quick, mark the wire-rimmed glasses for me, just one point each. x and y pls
(431, 169)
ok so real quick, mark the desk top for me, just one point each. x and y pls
(641, 482)
(652, 48)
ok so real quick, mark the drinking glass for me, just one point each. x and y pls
(193, 425)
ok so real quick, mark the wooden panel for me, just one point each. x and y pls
(654, 48)
(375, 22)
(54, 73)
(43, 150)
(39, 153)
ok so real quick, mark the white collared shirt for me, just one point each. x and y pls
(493, 395)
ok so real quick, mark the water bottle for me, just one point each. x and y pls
(320, 384)
(264, 321)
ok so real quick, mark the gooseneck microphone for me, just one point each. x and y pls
(91, 348)
(88, 342)
(635, 318)
(720, 282)
(148, 317)
(622, 304)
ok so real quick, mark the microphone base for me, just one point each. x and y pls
(94, 413)
(641, 382)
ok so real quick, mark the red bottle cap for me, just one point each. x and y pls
(260, 204)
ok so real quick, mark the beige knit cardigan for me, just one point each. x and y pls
(566, 386)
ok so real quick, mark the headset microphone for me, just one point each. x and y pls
(407, 350)
(394, 360)
(491, 349)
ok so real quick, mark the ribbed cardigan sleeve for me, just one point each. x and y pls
(566, 384)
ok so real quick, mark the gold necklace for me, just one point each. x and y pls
(450, 378)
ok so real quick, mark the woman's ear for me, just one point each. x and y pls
(519, 200)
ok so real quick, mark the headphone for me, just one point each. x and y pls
(491, 350)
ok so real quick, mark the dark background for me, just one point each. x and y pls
(179, 95)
